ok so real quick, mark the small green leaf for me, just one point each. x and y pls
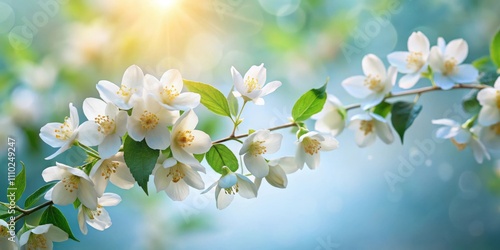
(219, 156)
(495, 49)
(382, 109)
(233, 103)
(403, 115)
(488, 78)
(484, 64)
(470, 103)
(77, 203)
(141, 160)
(54, 216)
(4, 213)
(20, 182)
(211, 97)
(199, 157)
(39, 193)
(309, 104)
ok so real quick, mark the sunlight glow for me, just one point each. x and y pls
(166, 4)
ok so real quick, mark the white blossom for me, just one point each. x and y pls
(167, 91)
(331, 119)
(42, 237)
(105, 126)
(111, 169)
(278, 169)
(8, 239)
(309, 146)
(461, 137)
(489, 98)
(73, 184)
(98, 218)
(253, 86)
(258, 143)
(368, 127)
(413, 62)
(61, 135)
(374, 85)
(446, 63)
(131, 88)
(150, 121)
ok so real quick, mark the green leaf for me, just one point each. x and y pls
(219, 156)
(39, 193)
(484, 64)
(488, 78)
(470, 103)
(309, 104)
(233, 103)
(495, 49)
(383, 109)
(20, 182)
(141, 160)
(199, 157)
(77, 203)
(211, 97)
(52, 215)
(403, 115)
(4, 213)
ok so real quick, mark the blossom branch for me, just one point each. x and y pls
(30, 211)
(234, 137)
(421, 91)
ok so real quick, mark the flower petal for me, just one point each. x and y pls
(222, 199)
(442, 81)
(372, 100)
(487, 96)
(133, 77)
(81, 221)
(107, 91)
(89, 135)
(277, 177)
(56, 234)
(398, 60)
(247, 188)
(109, 200)
(238, 81)
(172, 78)
(92, 107)
(87, 194)
(329, 143)
(363, 140)
(257, 165)
(436, 60)
(273, 143)
(54, 173)
(312, 161)
(201, 143)
(466, 73)
(122, 178)
(418, 42)
(270, 88)
(158, 138)
(457, 49)
(356, 87)
(409, 80)
(177, 191)
(61, 196)
(489, 115)
(384, 132)
(187, 100)
(161, 179)
(109, 146)
(372, 65)
(288, 164)
(227, 181)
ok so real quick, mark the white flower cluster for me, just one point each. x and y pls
(443, 65)
(161, 114)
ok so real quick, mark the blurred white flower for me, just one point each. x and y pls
(86, 42)
(175, 178)
(368, 127)
(105, 126)
(445, 61)
(5, 236)
(186, 141)
(253, 86)
(167, 91)
(40, 76)
(330, 120)
(278, 169)
(229, 185)
(73, 184)
(489, 98)
(61, 135)
(374, 85)
(27, 106)
(258, 143)
(111, 169)
(131, 89)
(309, 146)
(412, 62)
(97, 218)
(41, 237)
(490, 137)
(461, 137)
(150, 121)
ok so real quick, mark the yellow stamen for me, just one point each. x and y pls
(106, 125)
(125, 92)
(496, 128)
(256, 148)
(450, 66)
(415, 61)
(149, 120)
(109, 168)
(4, 232)
(185, 138)
(311, 146)
(460, 146)
(252, 84)
(64, 132)
(169, 94)
(37, 241)
(232, 190)
(498, 99)
(367, 126)
(176, 173)
(71, 183)
(373, 83)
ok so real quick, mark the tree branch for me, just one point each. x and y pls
(234, 137)
(30, 211)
